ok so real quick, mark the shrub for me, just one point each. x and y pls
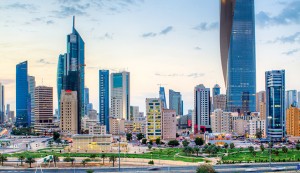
(151, 162)
(205, 168)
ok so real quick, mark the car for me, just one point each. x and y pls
(153, 168)
(277, 168)
(250, 170)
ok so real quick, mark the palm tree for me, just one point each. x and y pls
(3, 159)
(21, 158)
(103, 156)
(29, 160)
(112, 159)
(93, 156)
(83, 162)
(55, 159)
(72, 160)
(196, 149)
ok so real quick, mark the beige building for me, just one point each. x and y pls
(240, 126)
(92, 114)
(153, 118)
(260, 98)
(219, 102)
(43, 110)
(262, 110)
(68, 112)
(116, 126)
(128, 125)
(293, 121)
(221, 122)
(90, 143)
(97, 129)
(168, 124)
(256, 125)
(86, 122)
(139, 127)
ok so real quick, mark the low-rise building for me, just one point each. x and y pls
(257, 125)
(128, 125)
(97, 129)
(292, 121)
(116, 126)
(221, 122)
(169, 124)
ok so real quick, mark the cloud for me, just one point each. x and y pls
(107, 36)
(291, 52)
(164, 31)
(21, 6)
(193, 75)
(198, 48)
(204, 26)
(294, 38)
(49, 22)
(289, 15)
(71, 10)
(43, 61)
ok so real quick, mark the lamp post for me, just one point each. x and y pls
(270, 143)
(119, 144)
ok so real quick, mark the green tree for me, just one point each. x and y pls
(149, 146)
(196, 149)
(128, 136)
(67, 159)
(72, 160)
(254, 153)
(89, 171)
(150, 142)
(188, 150)
(251, 149)
(205, 168)
(185, 143)
(3, 159)
(21, 158)
(83, 162)
(144, 141)
(113, 160)
(29, 160)
(56, 135)
(258, 134)
(262, 147)
(151, 162)
(173, 143)
(226, 145)
(140, 136)
(93, 156)
(199, 141)
(157, 141)
(298, 146)
(103, 156)
(232, 146)
(284, 149)
(55, 159)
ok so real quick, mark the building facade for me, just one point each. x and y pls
(86, 100)
(59, 79)
(134, 113)
(291, 98)
(162, 97)
(293, 121)
(153, 118)
(257, 125)
(237, 43)
(221, 122)
(104, 98)
(97, 129)
(31, 90)
(116, 126)
(175, 102)
(219, 102)
(169, 122)
(275, 107)
(260, 98)
(68, 112)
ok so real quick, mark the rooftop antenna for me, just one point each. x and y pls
(73, 23)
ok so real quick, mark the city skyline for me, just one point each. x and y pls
(175, 40)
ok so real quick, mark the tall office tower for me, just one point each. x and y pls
(86, 100)
(73, 77)
(31, 90)
(169, 123)
(292, 121)
(275, 108)
(153, 118)
(2, 104)
(43, 110)
(134, 113)
(22, 96)
(290, 98)
(201, 119)
(68, 112)
(175, 102)
(120, 95)
(221, 122)
(215, 91)
(59, 79)
(237, 43)
(104, 98)
(219, 102)
(162, 96)
(260, 97)
(7, 112)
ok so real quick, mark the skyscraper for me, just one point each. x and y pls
(175, 102)
(237, 43)
(275, 108)
(31, 90)
(59, 80)
(153, 118)
(120, 95)
(22, 96)
(104, 98)
(68, 112)
(86, 100)
(290, 98)
(2, 104)
(215, 91)
(162, 96)
(260, 98)
(201, 118)
(73, 78)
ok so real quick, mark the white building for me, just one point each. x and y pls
(134, 112)
(221, 122)
(97, 129)
(256, 125)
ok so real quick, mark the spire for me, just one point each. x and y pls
(73, 23)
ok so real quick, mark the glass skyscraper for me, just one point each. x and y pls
(86, 100)
(59, 80)
(275, 107)
(162, 97)
(237, 36)
(290, 98)
(22, 95)
(175, 102)
(104, 98)
(31, 90)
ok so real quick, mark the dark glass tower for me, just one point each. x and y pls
(162, 96)
(73, 78)
(59, 80)
(237, 36)
(175, 102)
(104, 98)
(22, 97)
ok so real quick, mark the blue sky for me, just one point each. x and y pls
(172, 42)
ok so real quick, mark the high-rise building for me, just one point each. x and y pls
(290, 98)
(175, 102)
(201, 119)
(134, 112)
(120, 95)
(257, 125)
(68, 112)
(162, 96)
(292, 121)
(43, 110)
(7, 112)
(59, 79)
(275, 107)
(22, 96)
(31, 90)
(2, 104)
(74, 65)
(219, 102)
(153, 118)
(117, 126)
(86, 100)
(216, 90)
(260, 97)
(221, 122)
(262, 110)
(237, 43)
(104, 98)
(169, 122)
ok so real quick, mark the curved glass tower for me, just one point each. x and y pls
(237, 43)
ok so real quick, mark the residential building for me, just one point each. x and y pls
(221, 122)
(290, 98)
(262, 110)
(22, 96)
(260, 98)
(92, 114)
(128, 126)
(240, 126)
(162, 97)
(275, 107)
(185, 122)
(293, 121)
(104, 98)
(219, 102)
(141, 117)
(59, 79)
(168, 124)
(31, 90)
(134, 113)
(120, 95)
(215, 91)
(2, 104)
(117, 126)
(175, 102)
(201, 118)
(257, 125)
(68, 112)
(86, 122)
(153, 118)
(86, 100)
(97, 129)
(237, 44)
(139, 127)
